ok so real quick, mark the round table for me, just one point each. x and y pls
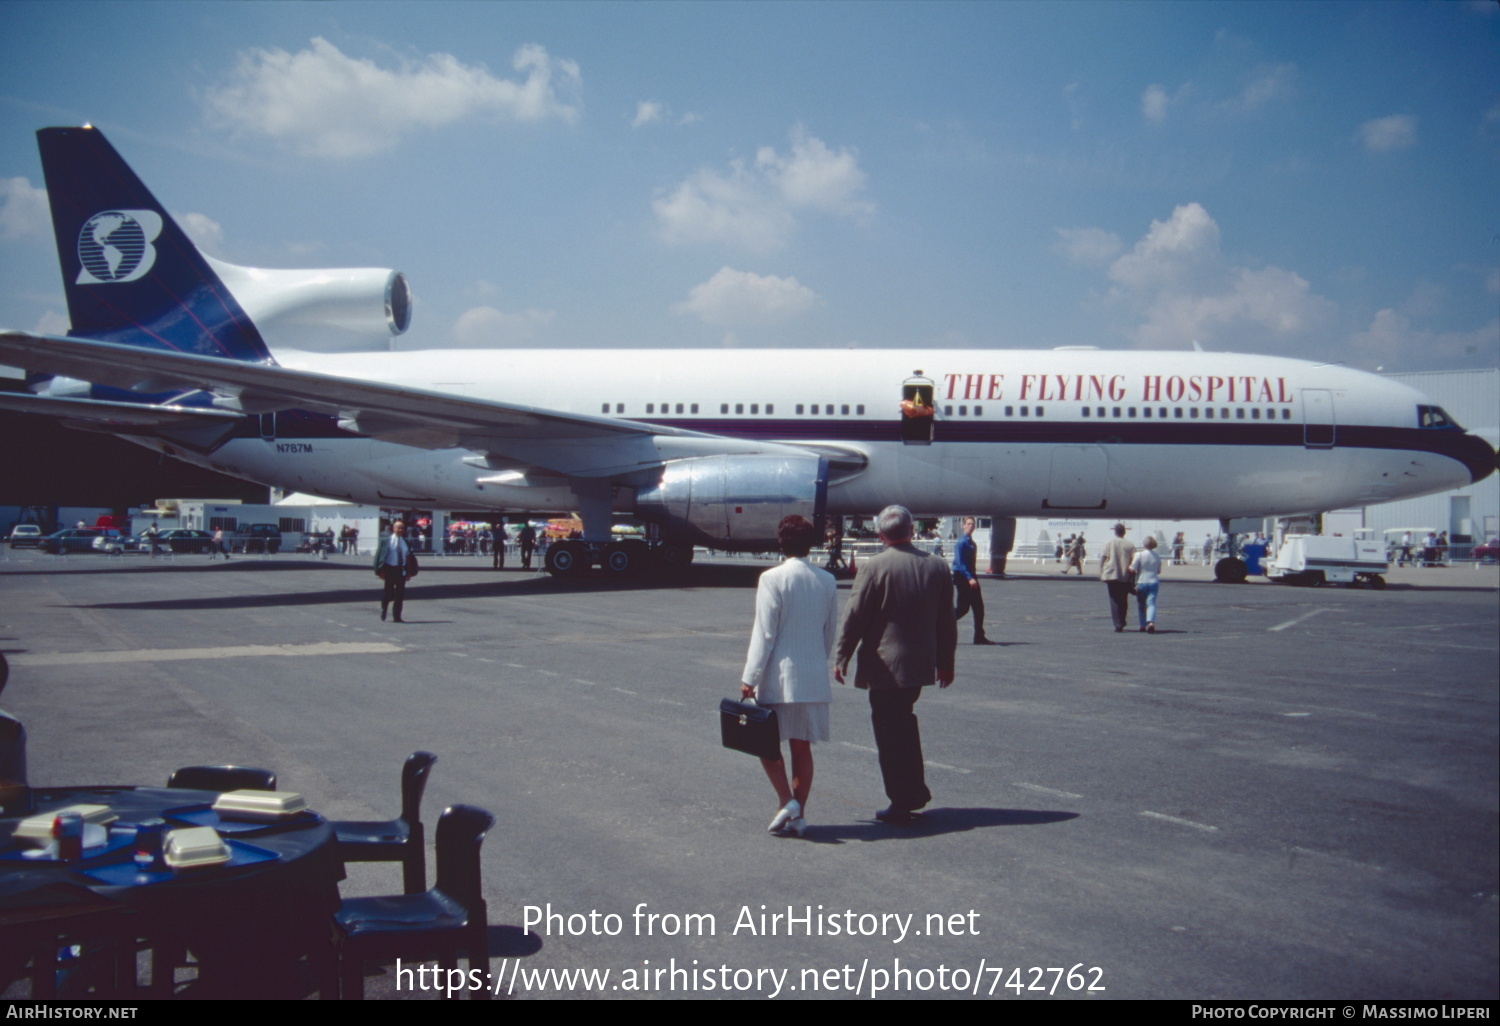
(247, 922)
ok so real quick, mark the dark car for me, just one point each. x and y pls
(256, 538)
(71, 539)
(181, 539)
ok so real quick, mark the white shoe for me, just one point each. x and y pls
(790, 811)
(795, 828)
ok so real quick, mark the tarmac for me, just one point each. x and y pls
(1284, 793)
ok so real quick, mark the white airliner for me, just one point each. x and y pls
(709, 447)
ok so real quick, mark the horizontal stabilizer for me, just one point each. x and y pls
(125, 418)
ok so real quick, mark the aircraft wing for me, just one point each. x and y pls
(101, 415)
(504, 434)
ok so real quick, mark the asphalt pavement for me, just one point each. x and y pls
(1285, 792)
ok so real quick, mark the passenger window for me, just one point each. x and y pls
(799, 409)
(755, 407)
(1025, 410)
(1209, 413)
(679, 407)
(694, 408)
(963, 411)
(650, 407)
(860, 410)
(723, 407)
(1010, 411)
(1117, 411)
(947, 411)
(1193, 413)
(770, 409)
(1130, 412)
(619, 407)
(1038, 411)
(1085, 411)
(1239, 414)
(844, 410)
(978, 411)
(1255, 414)
(606, 408)
(739, 408)
(828, 409)
(1177, 412)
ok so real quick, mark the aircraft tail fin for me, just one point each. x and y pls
(130, 272)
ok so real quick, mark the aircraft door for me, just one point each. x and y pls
(1077, 479)
(1318, 428)
(917, 411)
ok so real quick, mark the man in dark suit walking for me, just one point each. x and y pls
(390, 566)
(900, 619)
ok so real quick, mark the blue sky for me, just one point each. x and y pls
(1305, 179)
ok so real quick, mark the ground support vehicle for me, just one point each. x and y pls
(264, 538)
(1315, 560)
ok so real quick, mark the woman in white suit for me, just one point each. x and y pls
(796, 619)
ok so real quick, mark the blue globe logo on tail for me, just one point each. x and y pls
(116, 246)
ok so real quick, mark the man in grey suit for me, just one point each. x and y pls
(900, 618)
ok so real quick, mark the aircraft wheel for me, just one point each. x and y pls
(1231, 570)
(675, 555)
(621, 559)
(563, 559)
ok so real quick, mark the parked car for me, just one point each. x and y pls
(117, 543)
(180, 539)
(23, 535)
(71, 539)
(1489, 552)
(256, 538)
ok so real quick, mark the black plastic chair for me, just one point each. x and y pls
(443, 923)
(394, 840)
(223, 778)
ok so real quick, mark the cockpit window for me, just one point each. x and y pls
(1434, 417)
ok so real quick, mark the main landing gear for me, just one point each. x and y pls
(615, 558)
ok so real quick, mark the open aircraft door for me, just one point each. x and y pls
(917, 411)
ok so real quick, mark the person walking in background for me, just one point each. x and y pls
(1114, 571)
(1146, 567)
(796, 617)
(1076, 554)
(966, 581)
(527, 539)
(900, 620)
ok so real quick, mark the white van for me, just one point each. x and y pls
(1315, 560)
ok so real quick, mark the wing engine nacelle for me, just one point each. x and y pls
(734, 503)
(328, 310)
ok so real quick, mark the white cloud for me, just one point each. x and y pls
(204, 232)
(53, 323)
(755, 207)
(483, 327)
(815, 176)
(1154, 103)
(1397, 132)
(1087, 245)
(1268, 84)
(24, 211)
(1174, 286)
(746, 298)
(646, 112)
(326, 104)
(1173, 250)
(1393, 340)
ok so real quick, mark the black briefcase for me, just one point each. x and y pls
(750, 728)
